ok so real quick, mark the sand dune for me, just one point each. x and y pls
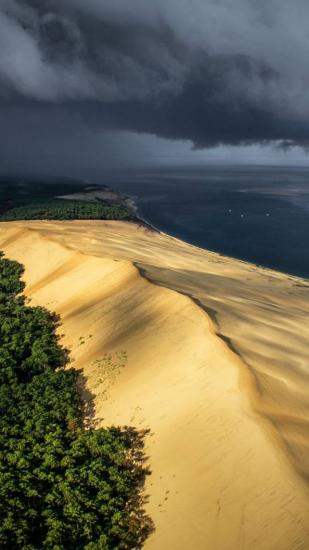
(229, 433)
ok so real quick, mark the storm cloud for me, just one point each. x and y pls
(211, 72)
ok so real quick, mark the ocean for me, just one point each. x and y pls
(259, 214)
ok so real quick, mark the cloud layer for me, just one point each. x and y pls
(228, 71)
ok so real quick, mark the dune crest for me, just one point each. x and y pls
(228, 433)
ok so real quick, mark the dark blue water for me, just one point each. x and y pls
(259, 214)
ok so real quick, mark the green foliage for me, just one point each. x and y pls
(61, 486)
(63, 209)
(10, 273)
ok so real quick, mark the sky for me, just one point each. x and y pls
(88, 86)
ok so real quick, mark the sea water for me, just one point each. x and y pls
(259, 214)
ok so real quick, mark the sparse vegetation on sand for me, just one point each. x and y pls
(61, 486)
(65, 209)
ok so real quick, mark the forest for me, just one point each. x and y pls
(62, 486)
(65, 209)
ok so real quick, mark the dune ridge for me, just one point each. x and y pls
(224, 477)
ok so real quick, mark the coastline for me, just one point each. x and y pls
(101, 192)
(106, 194)
(192, 242)
(143, 222)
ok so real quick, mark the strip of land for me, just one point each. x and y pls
(208, 352)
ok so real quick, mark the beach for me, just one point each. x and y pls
(207, 353)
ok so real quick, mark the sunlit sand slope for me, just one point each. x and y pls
(229, 433)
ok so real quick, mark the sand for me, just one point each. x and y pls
(212, 359)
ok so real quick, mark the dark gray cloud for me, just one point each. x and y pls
(228, 71)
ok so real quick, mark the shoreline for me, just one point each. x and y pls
(106, 194)
(144, 223)
(100, 192)
(140, 220)
(148, 223)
